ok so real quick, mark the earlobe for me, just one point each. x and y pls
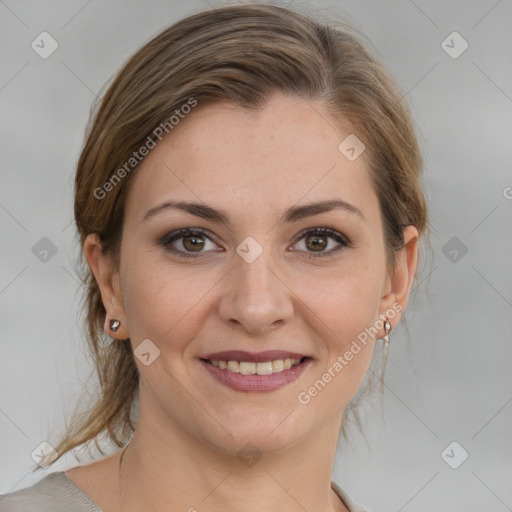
(107, 279)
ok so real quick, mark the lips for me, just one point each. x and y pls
(243, 378)
(255, 371)
(252, 357)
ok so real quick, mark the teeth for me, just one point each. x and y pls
(278, 366)
(232, 365)
(248, 368)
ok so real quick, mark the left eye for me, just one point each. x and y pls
(316, 242)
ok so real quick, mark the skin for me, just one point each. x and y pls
(254, 166)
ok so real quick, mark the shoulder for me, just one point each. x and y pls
(53, 493)
(346, 498)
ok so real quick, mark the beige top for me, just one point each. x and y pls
(57, 493)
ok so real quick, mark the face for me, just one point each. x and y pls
(258, 272)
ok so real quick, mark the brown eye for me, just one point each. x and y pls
(316, 243)
(193, 243)
(189, 243)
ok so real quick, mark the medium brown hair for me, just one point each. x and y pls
(243, 54)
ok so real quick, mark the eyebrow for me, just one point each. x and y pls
(293, 214)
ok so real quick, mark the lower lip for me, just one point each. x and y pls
(240, 382)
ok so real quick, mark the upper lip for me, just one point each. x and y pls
(252, 357)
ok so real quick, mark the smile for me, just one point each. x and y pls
(252, 368)
(260, 376)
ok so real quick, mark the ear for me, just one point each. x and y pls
(109, 283)
(398, 286)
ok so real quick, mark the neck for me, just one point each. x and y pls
(166, 469)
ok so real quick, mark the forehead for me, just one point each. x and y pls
(280, 155)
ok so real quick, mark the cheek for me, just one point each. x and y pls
(341, 307)
(163, 302)
(345, 299)
(344, 309)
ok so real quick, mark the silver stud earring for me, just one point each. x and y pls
(114, 325)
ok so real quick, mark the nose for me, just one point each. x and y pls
(256, 297)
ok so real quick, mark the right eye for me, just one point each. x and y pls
(187, 242)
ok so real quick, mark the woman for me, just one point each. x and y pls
(249, 205)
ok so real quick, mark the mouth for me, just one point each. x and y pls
(257, 372)
(256, 368)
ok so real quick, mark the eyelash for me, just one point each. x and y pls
(167, 240)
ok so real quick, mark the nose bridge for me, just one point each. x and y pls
(257, 277)
(257, 298)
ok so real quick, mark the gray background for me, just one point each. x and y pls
(450, 383)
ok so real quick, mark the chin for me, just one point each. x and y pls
(272, 433)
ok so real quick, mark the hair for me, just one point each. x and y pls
(243, 54)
